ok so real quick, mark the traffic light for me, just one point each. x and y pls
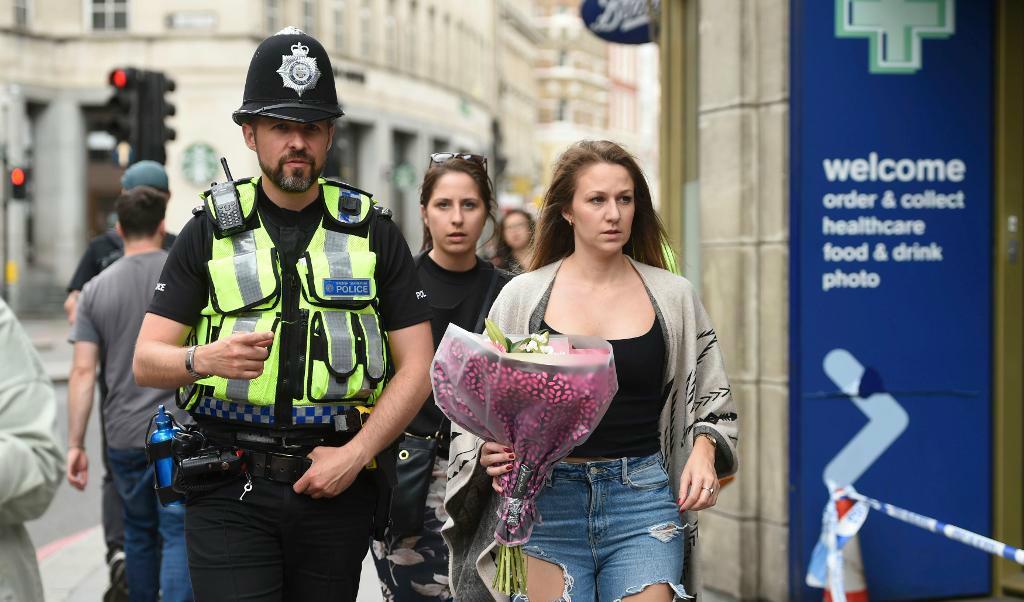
(123, 106)
(155, 108)
(138, 112)
(19, 183)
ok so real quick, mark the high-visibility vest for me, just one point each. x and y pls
(347, 358)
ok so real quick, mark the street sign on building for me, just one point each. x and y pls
(620, 21)
(891, 250)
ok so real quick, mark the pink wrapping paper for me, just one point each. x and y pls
(542, 406)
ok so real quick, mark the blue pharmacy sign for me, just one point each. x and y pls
(620, 21)
(891, 264)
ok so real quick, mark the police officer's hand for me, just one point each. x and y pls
(333, 470)
(237, 356)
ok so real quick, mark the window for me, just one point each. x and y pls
(272, 15)
(366, 30)
(446, 55)
(391, 34)
(309, 17)
(21, 14)
(563, 58)
(563, 110)
(339, 26)
(109, 15)
(412, 47)
(432, 43)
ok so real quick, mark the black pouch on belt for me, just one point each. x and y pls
(207, 469)
(416, 457)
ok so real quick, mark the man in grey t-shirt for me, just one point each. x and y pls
(109, 315)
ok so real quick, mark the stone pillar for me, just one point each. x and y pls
(743, 146)
(59, 174)
(412, 219)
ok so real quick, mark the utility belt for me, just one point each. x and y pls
(208, 454)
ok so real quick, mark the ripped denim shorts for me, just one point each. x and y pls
(612, 526)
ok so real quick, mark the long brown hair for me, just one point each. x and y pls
(554, 239)
(470, 168)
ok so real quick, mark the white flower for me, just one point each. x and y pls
(547, 349)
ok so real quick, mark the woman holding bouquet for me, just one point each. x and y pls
(618, 515)
(455, 204)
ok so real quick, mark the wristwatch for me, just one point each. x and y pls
(190, 356)
(709, 437)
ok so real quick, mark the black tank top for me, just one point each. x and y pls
(630, 426)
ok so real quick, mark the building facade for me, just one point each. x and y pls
(590, 89)
(519, 161)
(413, 76)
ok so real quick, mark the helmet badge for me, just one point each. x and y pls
(299, 71)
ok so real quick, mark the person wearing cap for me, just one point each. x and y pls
(101, 252)
(294, 325)
(108, 247)
(110, 312)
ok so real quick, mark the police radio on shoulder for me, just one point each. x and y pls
(227, 204)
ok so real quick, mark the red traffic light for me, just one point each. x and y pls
(18, 176)
(123, 78)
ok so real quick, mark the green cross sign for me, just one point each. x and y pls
(894, 29)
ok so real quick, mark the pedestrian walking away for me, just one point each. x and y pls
(291, 318)
(101, 252)
(456, 202)
(109, 315)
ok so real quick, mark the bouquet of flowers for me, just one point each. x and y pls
(541, 395)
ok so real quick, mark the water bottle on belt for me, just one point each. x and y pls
(160, 449)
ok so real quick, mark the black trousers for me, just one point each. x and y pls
(276, 545)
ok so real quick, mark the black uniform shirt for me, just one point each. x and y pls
(456, 298)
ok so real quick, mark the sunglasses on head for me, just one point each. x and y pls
(440, 158)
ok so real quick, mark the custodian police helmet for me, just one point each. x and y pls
(290, 77)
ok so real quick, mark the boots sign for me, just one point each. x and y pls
(620, 21)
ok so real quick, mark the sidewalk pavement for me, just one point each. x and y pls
(50, 338)
(73, 570)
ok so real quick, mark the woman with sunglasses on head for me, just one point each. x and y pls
(515, 241)
(455, 204)
(617, 517)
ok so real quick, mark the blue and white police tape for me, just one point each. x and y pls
(827, 558)
(953, 532)
(826, 566)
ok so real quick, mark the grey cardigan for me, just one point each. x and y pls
(699, 401)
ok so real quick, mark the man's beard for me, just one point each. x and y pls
(294, 181)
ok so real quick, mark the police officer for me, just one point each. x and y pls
(299, 335)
